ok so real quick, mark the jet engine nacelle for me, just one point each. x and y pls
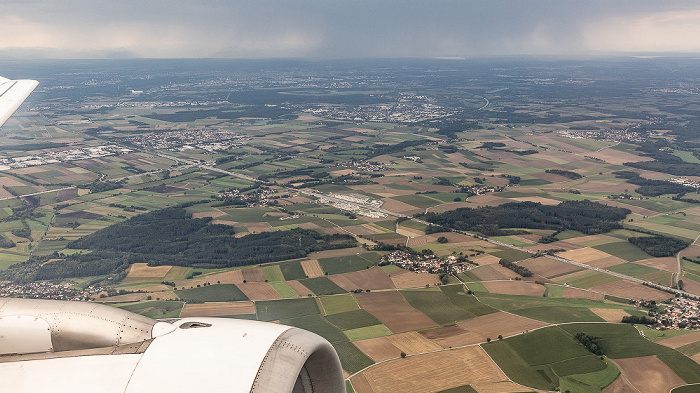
(49, 345)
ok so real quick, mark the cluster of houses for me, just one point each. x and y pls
(425, 263)
(47, 290)
(363, 165)
(681, 313)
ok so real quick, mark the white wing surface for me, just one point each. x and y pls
(12, 95)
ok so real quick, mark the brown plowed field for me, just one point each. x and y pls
(679, 341)
(515, 288)
(592, 257)
(412, 343)
(431, 372)
(592, 238)
(258, 227)
(229, 277)
(488, 200)
(143, 270)
(691, 286)
(485, 259)
(405, 279)
(312, 268)
(546, 267)
(452, 336)
(217, 309)
(401, 207)
(393, 311)
(620, 386)
(378, 349)
(631, 290)
(299, 288)
(253, 275)
(610, 314)
(648, 374)
(494, 272)
(576, 293)
(669, 264)
(259, 291)
(542, 200)
(373, 279)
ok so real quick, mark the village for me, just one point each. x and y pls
(426, 263)
(47, 290)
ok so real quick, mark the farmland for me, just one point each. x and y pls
(330, 170)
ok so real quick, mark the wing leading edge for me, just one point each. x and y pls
(12, 95)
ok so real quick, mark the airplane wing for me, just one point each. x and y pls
(61, 346)
(12, 95)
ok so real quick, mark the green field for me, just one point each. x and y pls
(317, 324)
(350, 320)
(559, 314)
(436, 305)
(352, 359)
(338, 304)
(212, 293)
(292, 270)
(271, 310)
(273, 273)
(322, 286)
(591, 279)
(155, 309)
(351, 263)
(537, 359)
(284, 290)
(468, 303)
(624, 250)
(632, 269)
(364, 333)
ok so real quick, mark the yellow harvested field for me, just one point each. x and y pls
(259, 291)
(491, 325)
(412, 343)
(631, 290)
(134, 297)
(485, 259)
(494, 272)
(431, 373)
(217, 309)
(538, 199)
(515, 288)
(610, 314)
(312, 268)
(546, 267)
(373, 279)
(679, 341)
(577, 293)
(648, 374)
(212, 214)
(379, 349)
(229, 277)
(592, 257)
(143, 270)
(669, 264)
(299, 288)
(411, 233)
(405, 279)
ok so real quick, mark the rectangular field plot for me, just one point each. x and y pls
(624, 250)
(212, 293)
(284, 290)
(368, 332)
(272, 310)
(273, 273)
(292, 270)
(350, 320)
(394, 312)
(352, 359)
(436, 305)
(338, 304)
(318, 325)
(217, 309)
(322, 286)
(351, 263)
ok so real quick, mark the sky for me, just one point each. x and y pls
(345, 28)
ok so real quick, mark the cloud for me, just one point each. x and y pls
(348, 28)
